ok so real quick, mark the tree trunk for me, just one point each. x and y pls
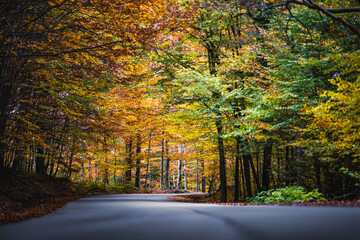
(317, 167)
(211, 184)
(138, 162)
(258, 186)
(162, 164)
(246, 156)
(174, 178)
(237, 173)
(167, 167)
(82, 172)
(287, 166)
(203, 179)
(40, 161)
(150, 178)
(128, 151)
(185, 177)
(222, 163)
(148, 161)
(179, 176)
(246, 161)
(266, 166)
(197, 176)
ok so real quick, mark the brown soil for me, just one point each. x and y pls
(23, 196)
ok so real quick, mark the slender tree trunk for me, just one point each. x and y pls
(246, 156)
(167, 167)
(150, 178)
(266, 166)
(148, 161)
(162, 164)
(82, 172)
(256, 176)
(246, 160)
(317, 166)
(40, 161)
(90, 170)
(243, 179)
(71, 160)
(237, 173)
(138, 162)
(128, 162)
(287, 166)
(211, 184)
(197, 176)
(203, 179)
(179, 176)
(174, 178)
(222, 163)
(185, 176)
(18, 161)
(258, 186)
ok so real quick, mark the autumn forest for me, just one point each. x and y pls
(198, 95)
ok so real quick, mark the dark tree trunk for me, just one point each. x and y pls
(167, 166)
(258, 187)
(18, 161)
(203, 179)
(162, 164)
(317, 166)
(246, 160)
(211, 184)
(148, 162)
(287, 166)
(222, 163)
(197, 176)
(138, 162)
(5, 96)
(128, 161)
(237, 172)
(40, 161)
(266, 166)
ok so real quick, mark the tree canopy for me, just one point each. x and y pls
(197, 94)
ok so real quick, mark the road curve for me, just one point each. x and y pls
(143, 216)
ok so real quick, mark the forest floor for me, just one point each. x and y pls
(28, 196)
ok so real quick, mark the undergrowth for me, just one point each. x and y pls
(294, 194)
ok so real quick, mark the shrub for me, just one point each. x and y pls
(287, 195)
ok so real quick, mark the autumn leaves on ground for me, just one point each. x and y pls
(252, 101)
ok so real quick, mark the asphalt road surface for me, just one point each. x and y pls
(141, 216)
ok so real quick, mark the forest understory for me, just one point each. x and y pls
(29, 196)
(216, 199)
(24, 197)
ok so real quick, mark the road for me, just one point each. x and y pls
(141, 216)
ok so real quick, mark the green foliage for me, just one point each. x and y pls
(352, 174)
(287, 195)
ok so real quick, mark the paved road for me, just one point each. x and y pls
(122, 217)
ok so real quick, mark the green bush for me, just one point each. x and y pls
(287, 195)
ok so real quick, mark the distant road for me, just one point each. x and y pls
(141, 216)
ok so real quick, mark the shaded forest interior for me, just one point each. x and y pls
(203, 96)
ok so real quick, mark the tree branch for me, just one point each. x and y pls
(327, 11)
